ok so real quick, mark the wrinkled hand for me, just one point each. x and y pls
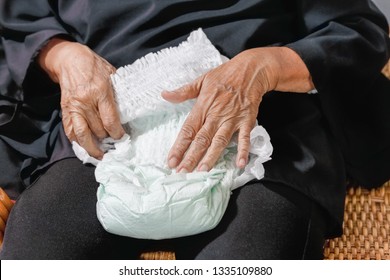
(228, 99)
(87, 100)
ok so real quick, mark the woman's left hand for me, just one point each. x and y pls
(228, 99)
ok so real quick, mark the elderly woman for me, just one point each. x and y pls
(55, 88)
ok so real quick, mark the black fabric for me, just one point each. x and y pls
(31, 132)
(264, 220)
(305, 155)
(55, 219)
(343, 43)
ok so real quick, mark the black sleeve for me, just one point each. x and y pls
(345, 45)
(26, 26)
(342, 37)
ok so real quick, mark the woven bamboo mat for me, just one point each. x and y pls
(5, 207)
(366, 226)
(159, 255)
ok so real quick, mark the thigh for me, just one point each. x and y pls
(264, 220)
(56, 219)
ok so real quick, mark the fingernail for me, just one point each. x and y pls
(183, 170)
(203, 167)
(242, 163)
(173, 162)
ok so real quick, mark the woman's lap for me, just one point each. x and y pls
(56, 219)
(260, 224)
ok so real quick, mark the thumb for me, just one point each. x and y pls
(182, 94)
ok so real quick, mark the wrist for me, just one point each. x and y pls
(281, 68)
(52, 55)
(293, 74)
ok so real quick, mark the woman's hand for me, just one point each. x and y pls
(228, 99)
(87, 100)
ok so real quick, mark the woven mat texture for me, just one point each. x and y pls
(366, 226)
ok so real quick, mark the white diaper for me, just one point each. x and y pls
(139, 196)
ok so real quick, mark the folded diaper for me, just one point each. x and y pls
(139, 195)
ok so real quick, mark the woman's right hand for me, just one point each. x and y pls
(88, 106)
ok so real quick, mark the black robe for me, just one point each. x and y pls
(318, 139)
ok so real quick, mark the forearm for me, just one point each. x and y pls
(293, 75)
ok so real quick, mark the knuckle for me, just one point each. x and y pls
(69, 134)
(109, 123)
(80, 132)
(111, 69)
(221, 140)
(100, 133)
(91, 92)
(82, 99)
(244, 138)
(83, 93)
(202, 140)
(179, 149)
(189, 162)
(65, 104)
(188, 132)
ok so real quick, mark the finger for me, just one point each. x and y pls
(95, 124)
(219, 142)
(184, 139)
(110, 116)
(3, 212)
(2, 229)
(68, 126)
(5, 200)
(184, 93)
(84, 136)
(243, 147)
(198, 147)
